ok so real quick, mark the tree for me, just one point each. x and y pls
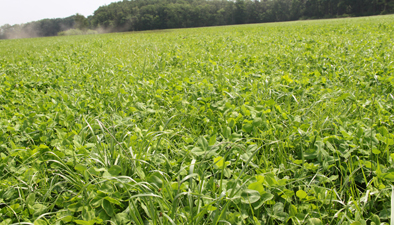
(240, 12)
(81, 22)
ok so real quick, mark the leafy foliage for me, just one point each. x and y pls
(137, 15)
(259, 124)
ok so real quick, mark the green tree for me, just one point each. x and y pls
(240, 12)
(81, 22)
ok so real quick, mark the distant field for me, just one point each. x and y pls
(280, 123)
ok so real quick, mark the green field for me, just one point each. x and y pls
(281, 123)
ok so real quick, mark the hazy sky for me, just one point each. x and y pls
(23, 11)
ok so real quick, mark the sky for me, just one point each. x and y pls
(23, 11)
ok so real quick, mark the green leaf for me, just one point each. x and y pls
(314, 221)
(67, 219)
(219, 162)
(277, 212)
(388, 176)
(256, 221)
(375, 219)
(270, 180)
(30, 200)
(231, 123)
(263, 199)
(202, 142)
(81, 168)
(197, 151)
(278, 207)
(270, 102)
(383, 131)
(113, 201)
(267, 196)
(301, 194)
(293, 210)
(250, 196)
(257, 186)
(155, 179)
(375, 151)
(88, 213)
(385, 214)
(140, 172)
(247, 127)
(287, 194)
(122, 218)
(211, 208)
(6, 222)
(257, 122)
(115, 170)
(94, 171)
(260, 178)
(212, 140)
(76, 207)
(342, 97)
(40, 222)
(39, 209)
(90, 222)
(354, 223)
(227, 132)
(107, 207)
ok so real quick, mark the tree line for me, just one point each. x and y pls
(41, 28)
(136, 15)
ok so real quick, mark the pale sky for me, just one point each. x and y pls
(23, 11)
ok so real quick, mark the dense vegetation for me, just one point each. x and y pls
(162, 14)
(255, 124)
(41, 28)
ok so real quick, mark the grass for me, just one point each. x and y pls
(282, 123)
